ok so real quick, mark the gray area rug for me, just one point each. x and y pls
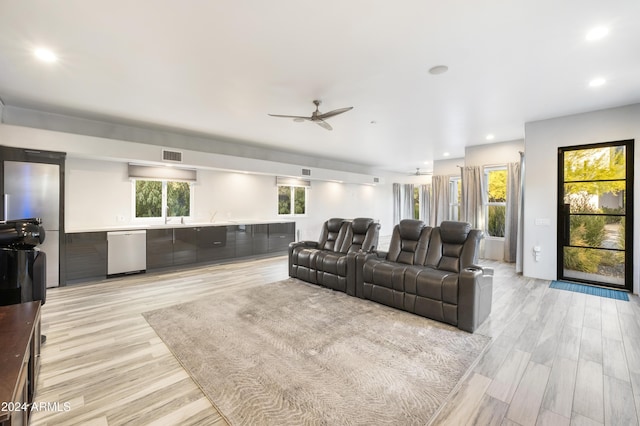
(291, 353)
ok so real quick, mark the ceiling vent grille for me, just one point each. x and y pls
(175, 156)
(306, 172)
(376, 180)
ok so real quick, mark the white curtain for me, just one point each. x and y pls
(511, 215)
(425, 203)
(439, 200)
(402, 202)
(397, 203)
(473, 195)
(519, 243)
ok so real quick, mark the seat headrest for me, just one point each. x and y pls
(334, 224)
(454, 232)
(410, 229)
(360, 225)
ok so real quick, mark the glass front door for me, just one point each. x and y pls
(595, 214)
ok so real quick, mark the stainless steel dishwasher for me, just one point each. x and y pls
(126, 252)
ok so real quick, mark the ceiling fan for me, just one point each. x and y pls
(419, 173)
(316, 117)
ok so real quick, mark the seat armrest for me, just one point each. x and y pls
(475, 293)
(360, 258)
(296, 246)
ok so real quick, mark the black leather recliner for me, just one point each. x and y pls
(330, 262)
(431, 272)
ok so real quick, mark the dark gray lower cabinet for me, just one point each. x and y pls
(260, 238)
(215, 242)
(86, 252)
(159, 248)
(86, 255)
(185, 249)
(280, 235)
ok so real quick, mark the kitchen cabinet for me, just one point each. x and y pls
(215, 242)
(86, 255)
(243, 240)
(184, 246)
(280, 235)
(159, 248)
(260, 238)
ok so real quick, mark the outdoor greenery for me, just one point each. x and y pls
(591, 174)
(285, 195)
(178, 196)
(496, 193)
(148, 198)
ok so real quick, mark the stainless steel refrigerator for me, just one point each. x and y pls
(32, 190)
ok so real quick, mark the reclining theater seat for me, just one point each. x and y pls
(302, 254)
(335, 269)
(382, 277)
(437, 290)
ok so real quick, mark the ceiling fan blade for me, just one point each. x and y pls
(323, 124)
(334, 112)
(295, 117)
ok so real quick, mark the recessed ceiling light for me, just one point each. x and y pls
(597, 82)
(45, 55)
(445, 154)
(426, 162)
(490, 137)
(597, 33)
(438, 69)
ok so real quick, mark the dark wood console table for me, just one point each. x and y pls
(19, 361)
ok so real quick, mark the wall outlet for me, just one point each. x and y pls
(119, 218)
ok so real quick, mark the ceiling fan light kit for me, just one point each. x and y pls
(316, 117)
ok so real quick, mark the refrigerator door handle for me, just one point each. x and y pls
(6, 207)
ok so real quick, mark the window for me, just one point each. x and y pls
(161, 199)
(292, 200)
(496, 206)
(416, 202)
(455, 193)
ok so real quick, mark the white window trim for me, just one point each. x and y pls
(293, 201)
(162, 219)
(487, 204)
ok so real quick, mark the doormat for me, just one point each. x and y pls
(587, 289)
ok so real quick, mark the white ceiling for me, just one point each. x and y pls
(218, 67)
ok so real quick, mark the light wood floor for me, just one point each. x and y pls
(556, 358)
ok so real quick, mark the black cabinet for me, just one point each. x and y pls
(244, 240)
(86, 255)
(215, 242)
(159, 248)
(86, 252)
(280, 235)
(260, 238)
(184, 246)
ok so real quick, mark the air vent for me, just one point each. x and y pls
(306, 172)
(376, 180)
(172, 156)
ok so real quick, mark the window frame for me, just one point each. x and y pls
(487, 203)
(292, 189)
(163, 218)
(455, 188)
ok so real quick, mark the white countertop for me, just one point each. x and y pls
(170, 225)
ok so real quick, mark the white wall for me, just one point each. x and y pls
(542, 140)
(98, 192)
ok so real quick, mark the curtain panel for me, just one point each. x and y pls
(511, 216)
(402, 202)
(473, 196)
(439, 209)
(425, 203)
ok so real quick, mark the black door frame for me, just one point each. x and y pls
(563, 227)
